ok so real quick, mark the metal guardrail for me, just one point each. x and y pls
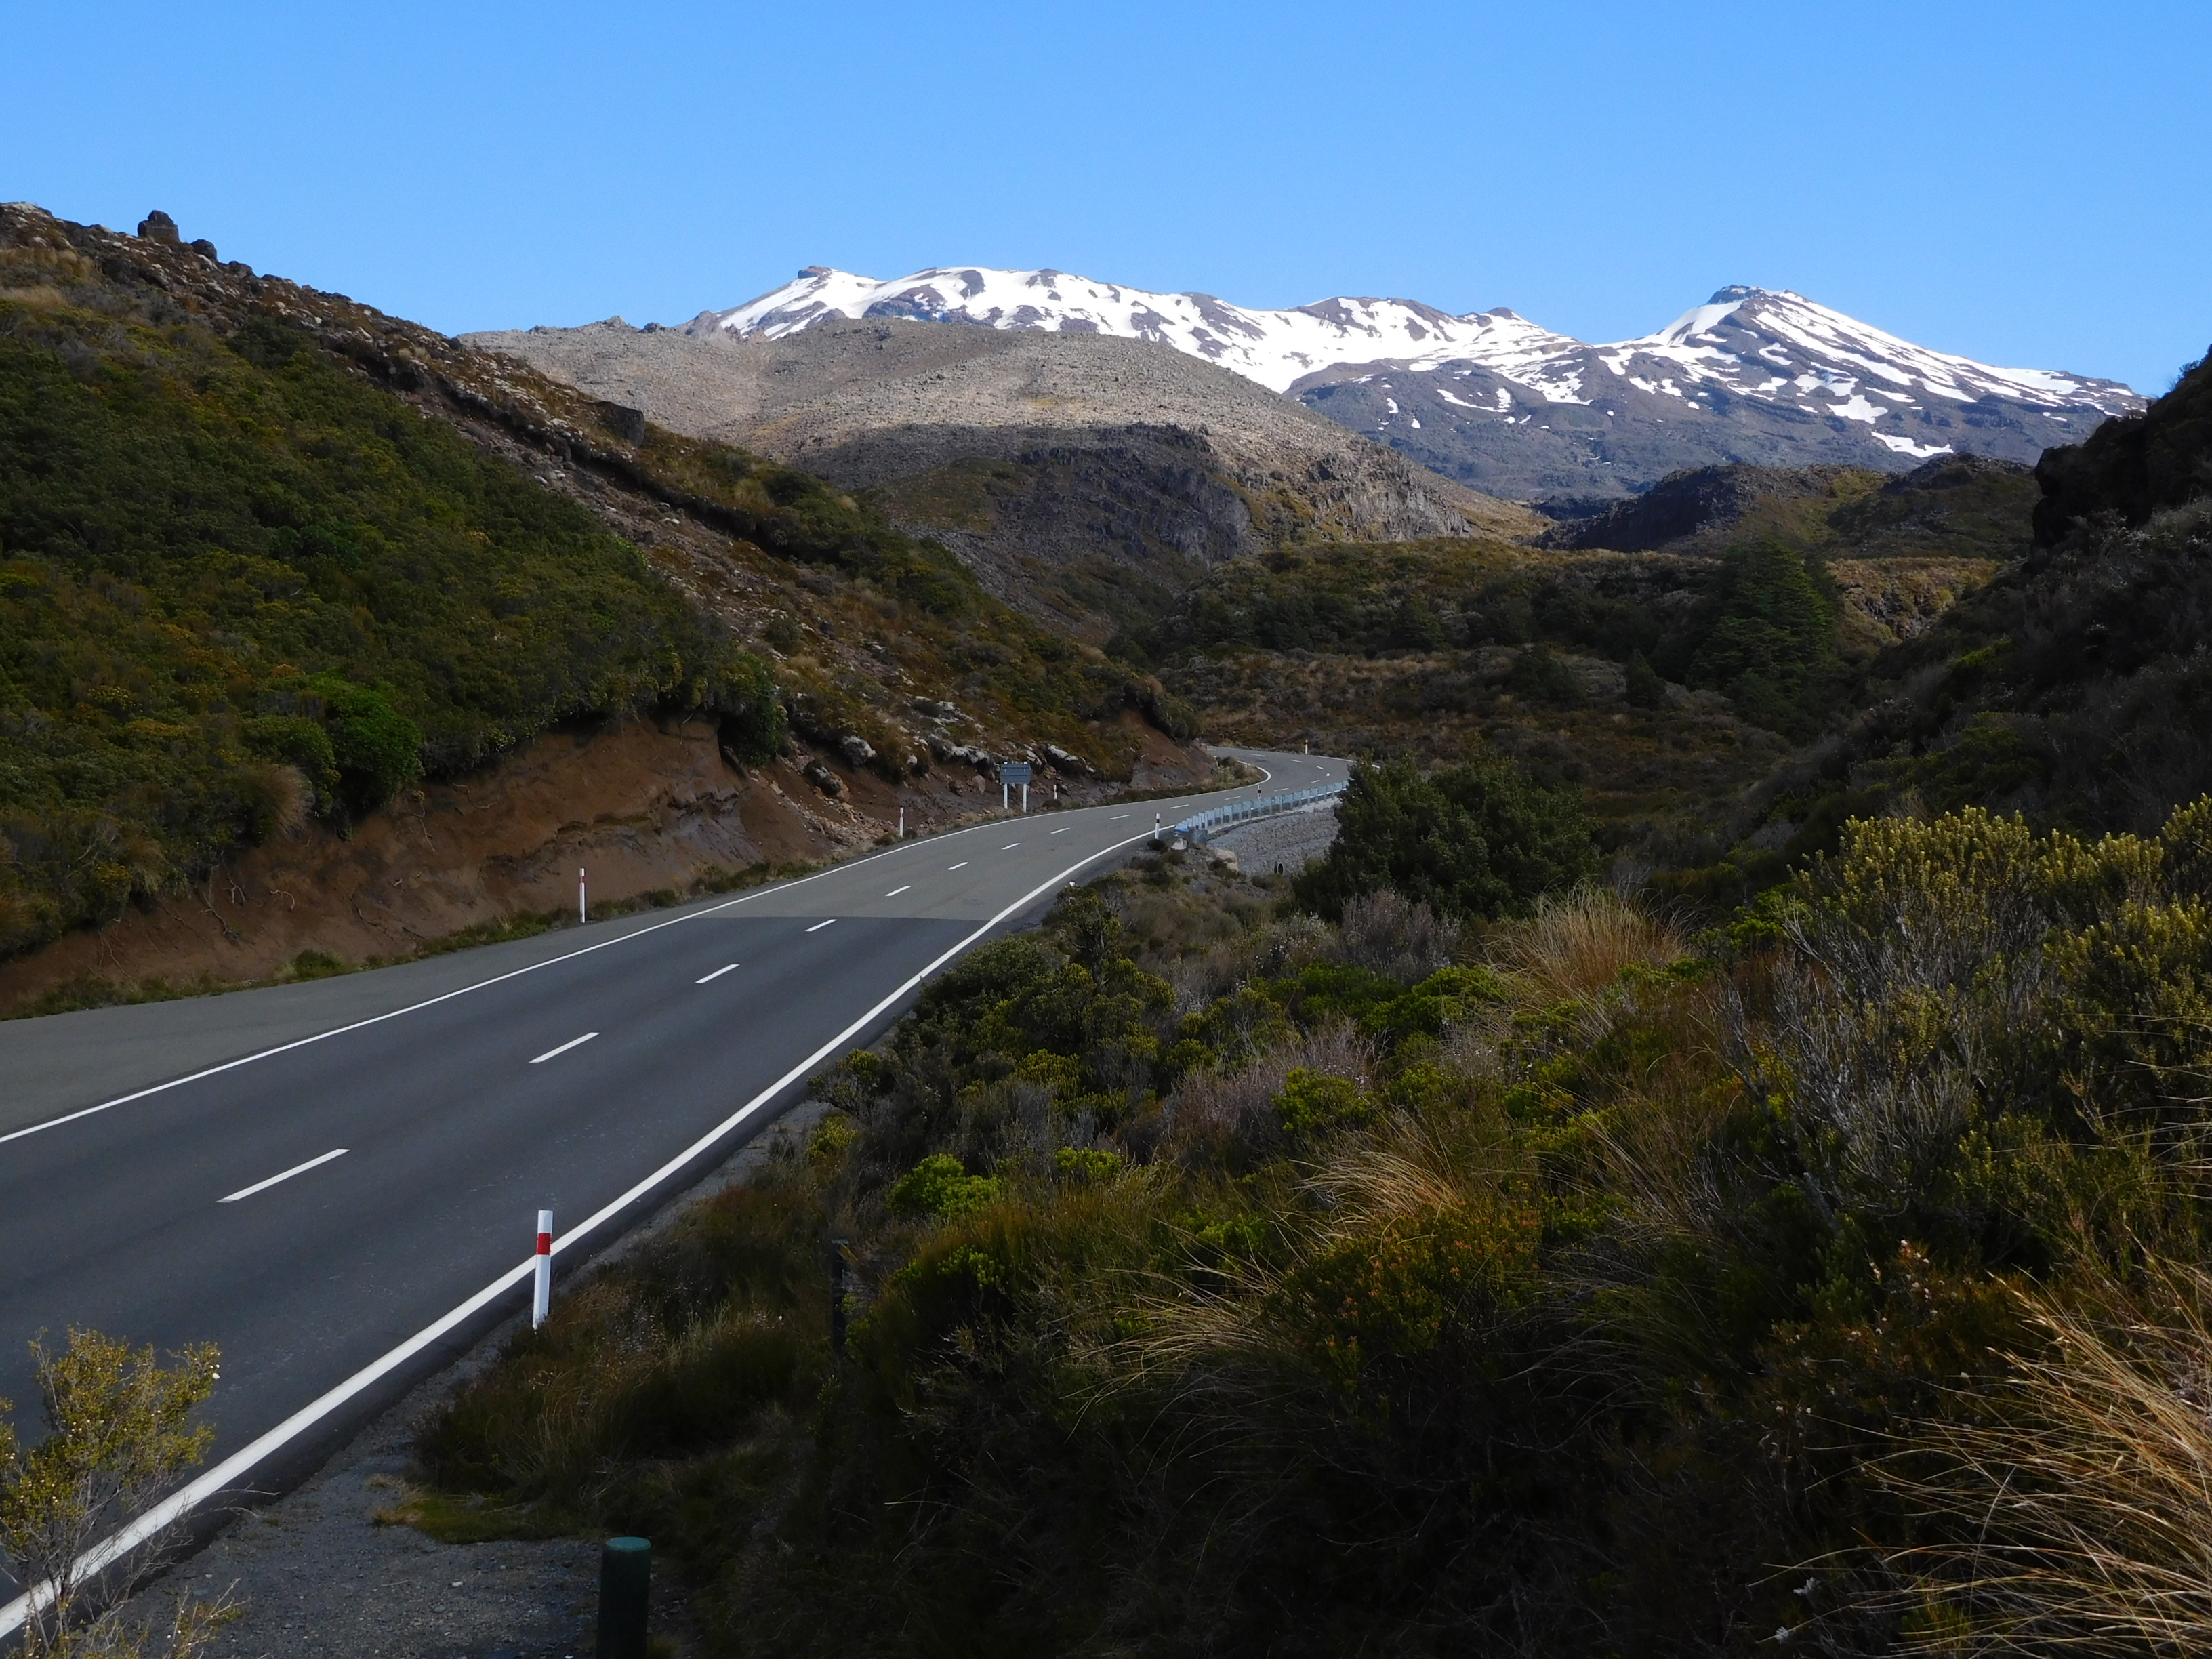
(1199, 828)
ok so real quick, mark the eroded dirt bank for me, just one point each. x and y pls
(646, 808)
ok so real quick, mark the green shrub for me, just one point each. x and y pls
(1771, 646)
(1314, 1103)
(940, 1188)
(377, 749)
(1644, 688)
(1479, 840)
(1086, 1163)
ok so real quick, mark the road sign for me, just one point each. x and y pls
(1014, 772)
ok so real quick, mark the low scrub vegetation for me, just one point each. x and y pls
(118, 1434)
(239, 588)
(1233, 1280)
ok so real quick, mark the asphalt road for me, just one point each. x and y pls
(337, 1182)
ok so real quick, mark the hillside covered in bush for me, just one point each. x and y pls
(2074, 686)
(266, 556)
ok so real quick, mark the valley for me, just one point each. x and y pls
(1696, 1147)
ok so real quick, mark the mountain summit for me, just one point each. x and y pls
(1512, 408)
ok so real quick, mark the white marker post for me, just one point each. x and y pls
(582, 914)
(901, 834)
(541, 1296)
(1025, 800)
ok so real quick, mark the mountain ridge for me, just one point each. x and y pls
(1507, 407)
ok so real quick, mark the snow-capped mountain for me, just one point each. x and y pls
(1510, 407)
(1275, 348)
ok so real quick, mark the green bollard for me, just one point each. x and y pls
(625, 1576)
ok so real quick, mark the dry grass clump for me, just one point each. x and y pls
(2075, 1493)
(1580, 942)
(1387, 934)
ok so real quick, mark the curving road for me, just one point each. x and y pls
(337, 1182)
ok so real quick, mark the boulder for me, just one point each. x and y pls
(856, 749)
(622, 421)
(159, 227)
(823, 778)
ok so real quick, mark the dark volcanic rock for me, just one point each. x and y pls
(159, 227)
(625, 422)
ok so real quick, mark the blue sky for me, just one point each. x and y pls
(2029, 183)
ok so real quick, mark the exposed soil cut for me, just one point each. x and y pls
(646, 809)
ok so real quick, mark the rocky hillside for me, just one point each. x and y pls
(1752, 375)
(1088, 479)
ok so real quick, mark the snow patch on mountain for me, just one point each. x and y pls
(1275, 348)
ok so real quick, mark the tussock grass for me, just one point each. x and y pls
(2072, 1496)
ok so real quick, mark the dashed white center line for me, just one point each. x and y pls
(896, 892)
(573, 1042)
(1063, 831)
(819, 926)
(1010, 846)
(1117, 817)
(949, 868)
(297, 1168)
(717, 974)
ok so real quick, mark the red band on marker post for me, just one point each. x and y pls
(541, 1301)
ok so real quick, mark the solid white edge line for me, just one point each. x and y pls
(174, 1508)
(573, 1042)
(297, 1168)
(717, 974)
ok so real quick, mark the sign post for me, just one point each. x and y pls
(1010, 773)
